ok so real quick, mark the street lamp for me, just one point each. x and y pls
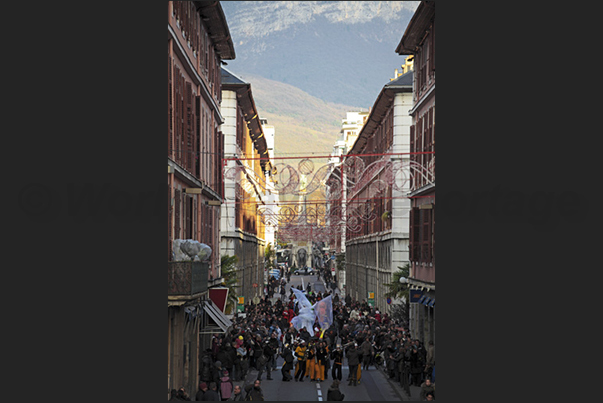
(403, 280)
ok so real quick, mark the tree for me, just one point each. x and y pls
(269, 255)
(400, 290)
(396, 288)
(229, 274)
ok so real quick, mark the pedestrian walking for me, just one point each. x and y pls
(367, 353)
(334, 394)
(287, 355)
(353, 361)
(263, 365)
(337, 357)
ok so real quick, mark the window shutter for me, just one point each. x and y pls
(195, 148)
(170, 227)
(170, 140)
(412, 156)
(189, 128)
(177, 215)
(414, 233)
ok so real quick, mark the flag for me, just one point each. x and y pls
(324, 312)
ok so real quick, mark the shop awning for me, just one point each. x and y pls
(221, 320)
(422, 299)
(431, 303)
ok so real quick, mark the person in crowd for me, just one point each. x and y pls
(334, 394)
(427, 388)
(337, 357)
(367, 353)
(182, 395)
(237, 394)
(254, 391)
(201, 392)
(353, 361)
(287, 355)
(226, 386)
(300, 353)
(311, 361)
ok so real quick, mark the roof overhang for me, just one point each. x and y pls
(212, 15)
(378, 111)
(416, 28)
(252, 118)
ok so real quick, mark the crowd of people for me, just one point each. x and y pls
(360, 335)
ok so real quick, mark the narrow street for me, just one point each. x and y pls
(373, 386)
(264, 176)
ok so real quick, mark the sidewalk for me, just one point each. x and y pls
(415, 391)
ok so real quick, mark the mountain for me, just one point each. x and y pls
(304, 124)
(338, 51)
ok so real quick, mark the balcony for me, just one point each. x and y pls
(187, 278)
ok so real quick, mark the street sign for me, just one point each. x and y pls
(371, 299)
(415, 295)
(371, 295)
(389, 301)
(240, 304)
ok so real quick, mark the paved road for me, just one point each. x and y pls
(373, 387)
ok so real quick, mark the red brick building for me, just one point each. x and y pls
(198, 41)
(419, 40)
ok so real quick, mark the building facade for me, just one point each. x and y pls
(419, 40)
(198, 42)
(246, 163)
(376, 213)
(350, 129)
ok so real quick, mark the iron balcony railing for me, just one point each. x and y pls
(187, 278)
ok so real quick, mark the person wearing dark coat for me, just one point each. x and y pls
(212, 393)
(334, 394)
(353, 356)
(254, 392)
(287, 354)
(174, 394)
(264, 362)
(367, 353)
(337, 357)
(226, 355)
(416, 366)
(182, 395)
(201, 392)
(237, 394)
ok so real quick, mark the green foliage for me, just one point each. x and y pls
(396, 288)
(229, 275)
(269, 257)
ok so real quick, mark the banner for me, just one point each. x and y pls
(324, 312)
(306, 316)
